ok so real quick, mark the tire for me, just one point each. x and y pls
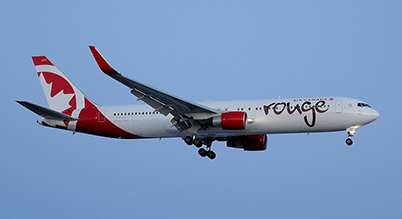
(202, 152)
(188, 140)
(349, 142)
(197, 142)
(211, 155)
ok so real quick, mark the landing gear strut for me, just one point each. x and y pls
(203, 152)
(351, 132)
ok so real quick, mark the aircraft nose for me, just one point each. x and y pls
(374, 114)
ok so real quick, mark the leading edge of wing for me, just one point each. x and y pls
(159, 100)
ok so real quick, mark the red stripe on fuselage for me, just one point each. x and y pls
(89, 123)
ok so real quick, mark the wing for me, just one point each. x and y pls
(45, 112)
(162, 102)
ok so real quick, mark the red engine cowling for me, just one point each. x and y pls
(249, 142)
(230, 120)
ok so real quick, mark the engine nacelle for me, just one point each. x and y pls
(249, 142)
(229, 121)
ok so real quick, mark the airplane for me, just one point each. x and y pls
(241, 124)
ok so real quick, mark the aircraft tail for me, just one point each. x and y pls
(61, 94)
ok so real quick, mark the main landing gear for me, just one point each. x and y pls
(203, 152)
(207, 152)
(351, 132)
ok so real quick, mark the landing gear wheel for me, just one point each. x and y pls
(197, 142)
(188, 140)
(349, 142)
(211, 155)
(202, 152)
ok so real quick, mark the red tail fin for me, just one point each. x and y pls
(60, 92)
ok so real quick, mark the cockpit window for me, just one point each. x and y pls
(363, 105)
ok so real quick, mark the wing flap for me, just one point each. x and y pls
(157, 105)
(46, 112)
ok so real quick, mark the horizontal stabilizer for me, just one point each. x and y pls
(46, 112)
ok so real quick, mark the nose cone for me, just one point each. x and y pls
(374, 114)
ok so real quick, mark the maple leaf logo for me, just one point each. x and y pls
(59, 93)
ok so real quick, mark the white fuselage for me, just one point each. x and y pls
(264, 117)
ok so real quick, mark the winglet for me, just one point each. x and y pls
(102, 63)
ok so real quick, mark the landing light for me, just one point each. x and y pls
(352, 130)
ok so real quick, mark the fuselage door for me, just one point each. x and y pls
(339, 106)
(101, 116)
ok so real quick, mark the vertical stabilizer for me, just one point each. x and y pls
(61, 94)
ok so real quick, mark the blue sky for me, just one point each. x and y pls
(203, 50)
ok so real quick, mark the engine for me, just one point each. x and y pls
(249, 142)
(228, 121)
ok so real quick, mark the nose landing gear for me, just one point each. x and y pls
(351, 132)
